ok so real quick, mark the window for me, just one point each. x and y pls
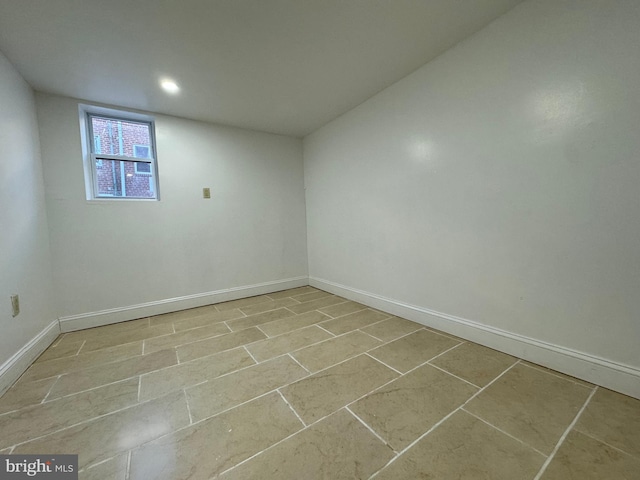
(120, 163)
(142, 151)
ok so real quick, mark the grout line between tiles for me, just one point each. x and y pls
(100, 416)
(453, 375)
(58, 340)
(320, 326)
(426, 362)
(605, 443)
(345, 314)
(446, 351)
(286, 438)
(555, 374)
(186, 400)
(383, 320)
(109, 383)
(380, 361)
(442, 420)
(139, 387)
(370, 334)
(89, 467)
(250, 354)
(128, 472)
(370, 429)
(395, 339)
(502, 431)
(564, 435)
(143, 344)
(383, 342)
(78, 352)
(291, 407)
(316, 343)
(295, 360)
(263, 332)
(50, 389)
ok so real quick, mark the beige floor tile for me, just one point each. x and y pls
(23, 394)
(205, 449)
(107, 330)
(337, 448)
(269, 305)
(392, 328)
(464, 448)
(335, 350)
(353, 321)
(208, 319)
(173, 317)
(288, 342)
(407, 407)
(113, 372)
(288, 324)
(475, 363)
(64, 349)
(343, 309)
(113, 469)
(584, 458)
(243, 302)
(116, 338)
(186, 374)
(259, 319)
(230, 390)
(329, 390)
(531, 405)
(115, 433)
(614, 419)
(412, 350)
(316, 304)
(292, 292)
(186, 336)
(308, 297)
(559, 374)
(38, 420)
(59, 366)
(210, 346)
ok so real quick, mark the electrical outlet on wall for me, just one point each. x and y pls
(15, 304)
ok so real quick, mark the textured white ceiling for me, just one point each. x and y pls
(282, 66)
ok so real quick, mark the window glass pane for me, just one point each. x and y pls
(141, 151)
(119, 137)
(143, 168)
(124, 179)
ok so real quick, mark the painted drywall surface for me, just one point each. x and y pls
(498, 183)
(112, 254)
(25, 262)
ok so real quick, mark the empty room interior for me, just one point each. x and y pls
(320, 239)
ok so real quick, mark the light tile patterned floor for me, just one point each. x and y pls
(302, 384)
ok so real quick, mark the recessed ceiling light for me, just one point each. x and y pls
(169, 86)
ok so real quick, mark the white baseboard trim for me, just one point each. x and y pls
(18, 363)
(619, 377)
(123, 314)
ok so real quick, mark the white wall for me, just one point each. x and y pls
(25, 263)
(121, 254)
(498, 184)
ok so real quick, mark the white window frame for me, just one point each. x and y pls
(90, 158)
